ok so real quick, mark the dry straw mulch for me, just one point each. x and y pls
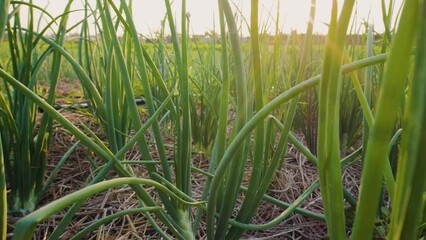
(296, 175)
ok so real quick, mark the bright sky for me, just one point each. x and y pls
(294, 14)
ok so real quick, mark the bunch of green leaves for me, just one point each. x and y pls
(25, 140)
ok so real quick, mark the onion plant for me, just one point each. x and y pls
(259, 185)
(118, 61)
(24, 151)
(95, 145)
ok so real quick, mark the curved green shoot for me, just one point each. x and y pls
(282, 216)
(33, 6)
(24, 228)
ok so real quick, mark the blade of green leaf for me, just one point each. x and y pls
(388, 103)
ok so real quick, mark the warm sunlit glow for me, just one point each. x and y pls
(294, 14)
